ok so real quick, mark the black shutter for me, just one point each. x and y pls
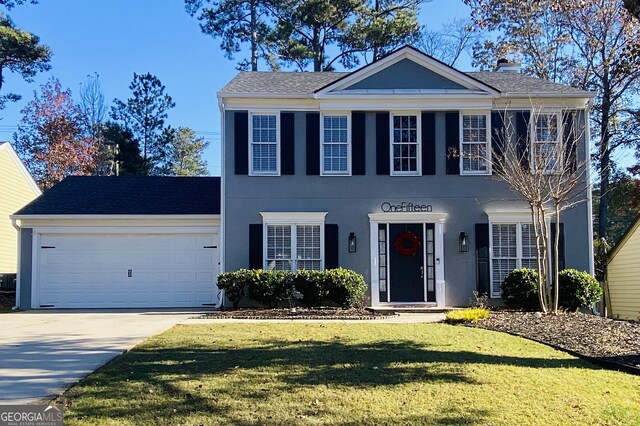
(287, 143)
(382, 143)
(313, 143)
(452, 127)
(358, 144)
(497, 140)
(241, 142)
(331, 246)
(570, 140)
(561, 263)
(255, 246)
(522, 133)
(482, 258)
(428, 143)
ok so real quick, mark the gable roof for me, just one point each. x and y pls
(126, 195)
(6, 147)
(623, 239)
(286, 84)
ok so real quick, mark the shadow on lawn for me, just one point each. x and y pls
(299, 364)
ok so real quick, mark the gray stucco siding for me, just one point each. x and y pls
(348, 200)
(26, 257)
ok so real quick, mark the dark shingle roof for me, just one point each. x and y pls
(88, 195)
(304, 84)
(514, 82)
(280, 82)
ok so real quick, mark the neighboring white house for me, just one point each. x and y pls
(17, 188)
(623, 275)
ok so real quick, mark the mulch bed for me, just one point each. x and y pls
(298, 313)
(599, 338)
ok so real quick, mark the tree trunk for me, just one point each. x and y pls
(536, 230)
(376, 48)
(317, 50)
(605, 157)
(556, 267)
(254, 37)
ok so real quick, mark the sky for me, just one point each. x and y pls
(116, 38)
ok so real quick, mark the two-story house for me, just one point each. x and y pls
(355, 170)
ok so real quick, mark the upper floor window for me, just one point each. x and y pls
(264, 142)
(547, 139)
(336, 145)
(405, 146)
(474, 144)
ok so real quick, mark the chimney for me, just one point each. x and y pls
(504, 65)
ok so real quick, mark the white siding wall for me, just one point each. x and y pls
(15, 192)
(624, 279)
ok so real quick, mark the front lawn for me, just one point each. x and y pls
(350, 374)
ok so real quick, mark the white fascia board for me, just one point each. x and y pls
(262, 95)
(556, 102)
(113, 222)
(404, 94)
(408, 53)
(406, 104)
(24, 217)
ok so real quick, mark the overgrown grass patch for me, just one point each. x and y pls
(466, 315)
(349, 374)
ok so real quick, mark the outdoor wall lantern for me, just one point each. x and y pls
(352, 242)
(464, 242)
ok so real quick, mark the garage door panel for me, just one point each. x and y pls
(91, 271)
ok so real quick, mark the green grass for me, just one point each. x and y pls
(349, 374)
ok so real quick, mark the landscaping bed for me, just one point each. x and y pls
(7, 300)
(298, 313)
(588, 335)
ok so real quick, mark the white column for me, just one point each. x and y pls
(440, 284)
(375, 279)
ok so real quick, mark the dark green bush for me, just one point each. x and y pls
(520, 289)
(235, 284)
(345, 288)
(313, 287)
(271, 287)
(578, 289)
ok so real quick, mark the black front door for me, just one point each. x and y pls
(406, 261)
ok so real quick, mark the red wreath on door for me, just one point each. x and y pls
(407, 243)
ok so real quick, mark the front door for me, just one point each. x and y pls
(406, 262)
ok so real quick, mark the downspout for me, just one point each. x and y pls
(221, 244)
(14, 223)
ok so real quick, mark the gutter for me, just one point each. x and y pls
(14, 223)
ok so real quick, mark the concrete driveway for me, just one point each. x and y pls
(42, 353)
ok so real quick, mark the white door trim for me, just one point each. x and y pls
(438, 219)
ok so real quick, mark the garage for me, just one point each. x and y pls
(127, 270)
(157, 247)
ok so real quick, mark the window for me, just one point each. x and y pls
(546, 142)
(405, 148)
(265, 148)
(293, 241)
(335, 145)
(513, 246)
(474, 147)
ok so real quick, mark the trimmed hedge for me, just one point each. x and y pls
(462, 316)
(578, 289)
(520, 289)
(235, 284)
(341, 287)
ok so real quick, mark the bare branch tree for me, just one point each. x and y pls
(448, 44)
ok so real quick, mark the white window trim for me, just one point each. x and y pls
(486, 113)
(349, 158)
(264, 112)
(418, 115)
(293, 219)
(534, 141)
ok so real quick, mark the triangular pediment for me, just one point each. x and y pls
(406, 70)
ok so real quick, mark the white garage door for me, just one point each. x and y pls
(127, 271)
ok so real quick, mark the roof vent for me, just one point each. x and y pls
(504, 65)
